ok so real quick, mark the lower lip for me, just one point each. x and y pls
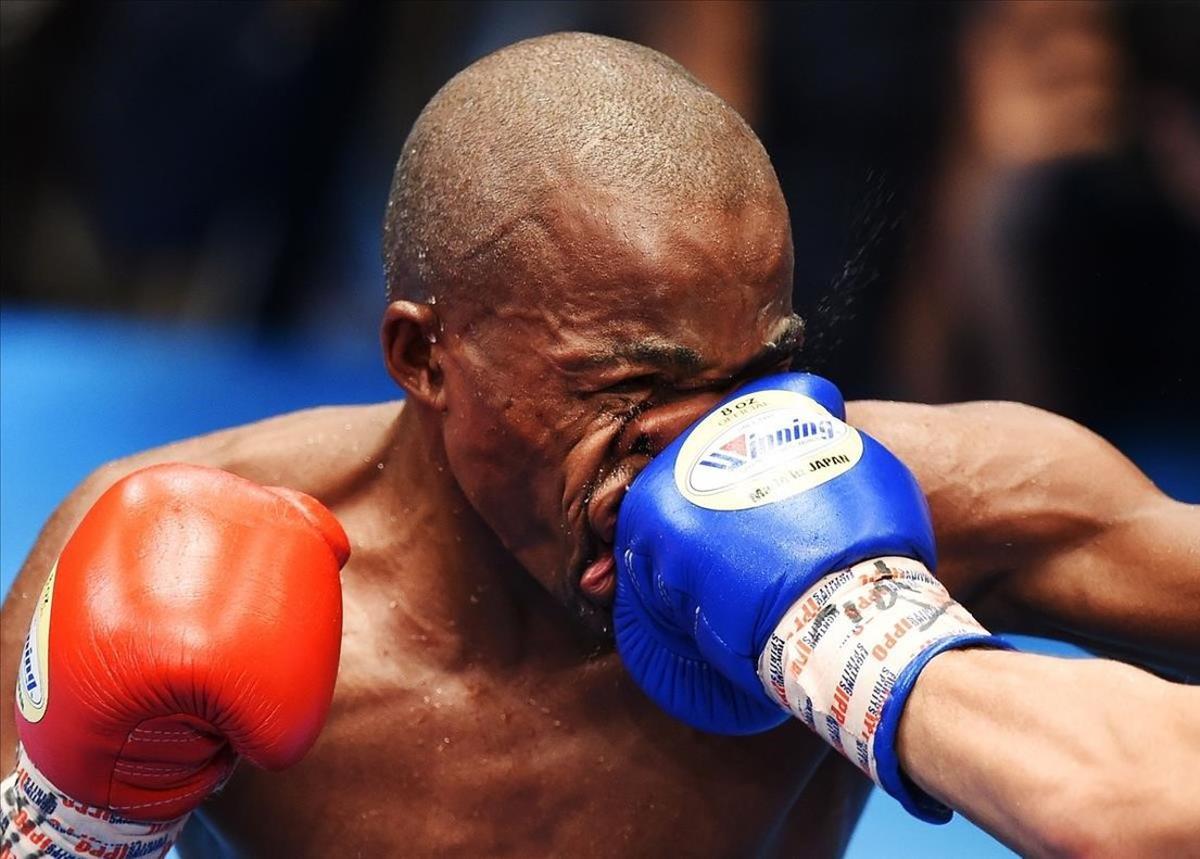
(599, 580)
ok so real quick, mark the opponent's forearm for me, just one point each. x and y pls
(1057, 757)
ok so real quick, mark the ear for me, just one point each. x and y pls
(409, 337)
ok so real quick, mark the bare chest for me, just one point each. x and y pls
(574, 763)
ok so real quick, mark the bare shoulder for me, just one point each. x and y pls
(964, 447)
(1005, 479)
(313, 450)
(319, 451)
(972, 422)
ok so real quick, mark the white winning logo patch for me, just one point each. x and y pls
(33, 689)
(761, 448)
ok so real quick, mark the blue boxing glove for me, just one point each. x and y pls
(774, 561)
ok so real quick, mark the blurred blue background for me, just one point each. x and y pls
(988, 200)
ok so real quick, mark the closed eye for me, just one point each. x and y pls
(632, 385)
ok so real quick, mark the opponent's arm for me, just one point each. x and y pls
(770, 561)
(1058, 757)
(774, 561)
(1045, 528)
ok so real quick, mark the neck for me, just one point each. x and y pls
(461, 593)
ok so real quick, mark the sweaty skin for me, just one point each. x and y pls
(478, 707)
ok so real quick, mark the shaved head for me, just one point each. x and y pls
(566, 115)
(610, 253)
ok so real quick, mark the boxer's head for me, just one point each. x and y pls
(585, 248)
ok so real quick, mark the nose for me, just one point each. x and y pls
(662, 423)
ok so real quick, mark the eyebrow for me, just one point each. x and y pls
(784, 347)
(657, 353)
(666, 355)
(789, 341)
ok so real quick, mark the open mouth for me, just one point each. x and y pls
(599, 580)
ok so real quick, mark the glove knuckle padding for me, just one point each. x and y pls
(744, 568)
(191, 607)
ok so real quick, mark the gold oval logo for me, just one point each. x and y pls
(761, 448)
(33, 686)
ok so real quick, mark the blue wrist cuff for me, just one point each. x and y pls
(887, 763)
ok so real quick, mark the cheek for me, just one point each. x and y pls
(504, 455)
(587, 462)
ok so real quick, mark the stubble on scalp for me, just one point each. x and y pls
(473, 197)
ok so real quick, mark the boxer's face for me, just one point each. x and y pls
(628, 327)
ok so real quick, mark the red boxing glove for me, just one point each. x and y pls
(192, 618)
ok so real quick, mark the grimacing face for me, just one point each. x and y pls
(628, 328)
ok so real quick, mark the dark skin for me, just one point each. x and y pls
(474, 711)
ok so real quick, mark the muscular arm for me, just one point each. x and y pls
(1057, 757)
(1045, 528)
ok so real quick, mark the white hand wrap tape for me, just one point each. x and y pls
(40, 821)
(834, 658)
